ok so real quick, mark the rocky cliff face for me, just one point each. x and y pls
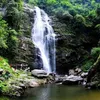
(25, 52)
(72, 49)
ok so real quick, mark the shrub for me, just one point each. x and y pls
(3, 33)
(87, 65)
(7, 71)
(5, 66)
(80, 19)
(95, 52)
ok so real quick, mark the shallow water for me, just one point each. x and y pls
(59, 92)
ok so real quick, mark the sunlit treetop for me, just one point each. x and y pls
(83, 7)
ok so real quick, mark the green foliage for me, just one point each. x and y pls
(8, 76)
(19, 4)
(34, 2)
(5, 66)
(98, 11)
(87, 65)
(92, 13)
(95, 52)
(80, 19)
(3, 3)
(11, 28)
(4, 98)
(3, 87)
(14, 14)
(8, 38)
(80, 6)
(97, 26)
(51, 1)
(7, 70)
(88, 9)
(3, 33)
(12, 41)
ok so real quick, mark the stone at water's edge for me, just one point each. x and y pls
(60, 79)
(84, 75)
(71, 72)
(72, 80)
(33, 84)
(19, 85)
(69, 80)
(74, 77)
(39, 73)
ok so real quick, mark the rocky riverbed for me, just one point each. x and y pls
(74, 77)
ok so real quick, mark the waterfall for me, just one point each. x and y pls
(43, 38)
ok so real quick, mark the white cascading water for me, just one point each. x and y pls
(43, 38)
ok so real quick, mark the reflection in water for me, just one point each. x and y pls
(59, 92)
(3, 98)
(44, 94)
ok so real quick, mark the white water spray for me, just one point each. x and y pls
(43, 38)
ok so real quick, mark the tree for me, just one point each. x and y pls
(3, 33)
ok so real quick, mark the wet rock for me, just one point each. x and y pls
(84, 83)
(84, 75)
(33, 84)
(51, 78)
(71, 48)
(22, 85)
(1, 71)
(72, 80)
(28, 9)
(79, 78)
(78, 71)
(60, 78)
(71, 72)
(92, 85)
(39, 73)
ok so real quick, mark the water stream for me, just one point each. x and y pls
(43, 38)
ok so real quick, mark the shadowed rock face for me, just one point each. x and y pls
(71, 47)
(70, 53)
(24, 53)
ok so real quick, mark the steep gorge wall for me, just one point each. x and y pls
(73, 47)
(25, 52)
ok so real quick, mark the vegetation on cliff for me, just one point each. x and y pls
(12, 21)
(10, 26)
(15, 25)
(5, 73)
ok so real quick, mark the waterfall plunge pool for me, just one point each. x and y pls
(58, 92)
